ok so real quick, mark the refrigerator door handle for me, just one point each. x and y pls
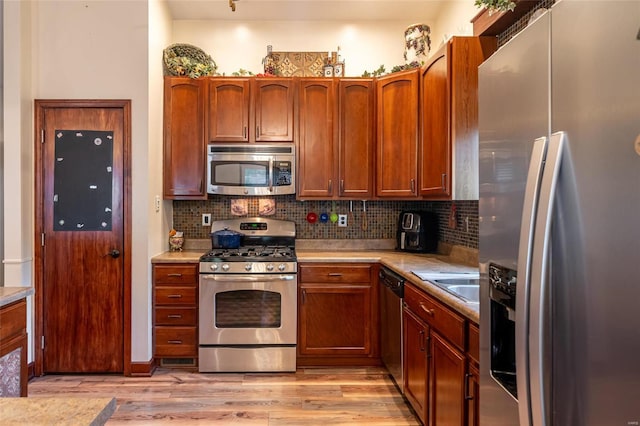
(539, 275)
(529, 209)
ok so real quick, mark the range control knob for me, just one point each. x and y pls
(247, 267)
(282, 267)
(214, 267)
(225, 267)
(269, 266)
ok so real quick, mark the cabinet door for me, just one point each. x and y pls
(184, 138)
(472, 396)
(273, 108)
(446, 382)
(229, 110)
(415, 335)
(316, 170)
(356, 138)
(397, 121)
(335, 319)
(435, 159)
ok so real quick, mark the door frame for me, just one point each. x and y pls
(38, 259)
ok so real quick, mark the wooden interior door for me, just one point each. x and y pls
(81, 175)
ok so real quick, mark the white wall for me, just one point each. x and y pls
(234, 45)
(99, 50)
(159, 222)
(365, 45)
(1, 141)
(18, 186)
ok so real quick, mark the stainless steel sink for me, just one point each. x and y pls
(469, 292)
(465, 285)
(458, 281)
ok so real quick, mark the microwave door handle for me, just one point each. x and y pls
(270, 174)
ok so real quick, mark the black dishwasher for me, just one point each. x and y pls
(391, 294)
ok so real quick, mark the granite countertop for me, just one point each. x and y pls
(11, 294)
(400, 262)
(56, 411)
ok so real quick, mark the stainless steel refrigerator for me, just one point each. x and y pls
(559, 114)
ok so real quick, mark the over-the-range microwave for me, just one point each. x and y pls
(251, 169)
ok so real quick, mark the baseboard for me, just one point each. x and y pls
(337, 361)
(143, 369)
(31, 370)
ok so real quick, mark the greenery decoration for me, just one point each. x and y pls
(376, 73)
(410, 65)
(496, 5)
(186, 60)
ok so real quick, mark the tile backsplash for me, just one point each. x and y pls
(380, 222)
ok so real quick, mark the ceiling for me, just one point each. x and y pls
(308, 10)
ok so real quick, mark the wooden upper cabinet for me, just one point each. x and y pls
(229, 100)
(449, 118)
(184, 138)
(336, 138)
(316, 109)
(356, 138)
(397, 129)
(273, 104)
(435, 164)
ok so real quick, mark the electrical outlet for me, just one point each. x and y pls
(157, 203)
(342, 220)
(206, 219)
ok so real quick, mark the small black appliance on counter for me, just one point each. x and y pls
(417, 232)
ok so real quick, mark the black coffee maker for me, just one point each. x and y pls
(417, 232)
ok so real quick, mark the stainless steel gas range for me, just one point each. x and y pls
(248, 299)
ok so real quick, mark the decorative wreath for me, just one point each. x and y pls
(182, 59)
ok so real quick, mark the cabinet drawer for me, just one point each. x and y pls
(474, 343)
(175, 316)
(176, 341)
(13, 319)
(332, 273)
(447, 322)
(175, 296)
(175, 274)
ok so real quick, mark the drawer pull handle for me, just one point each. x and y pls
(427, 310)
(174, 275)
(174, 316)
(335, 274)
(467, 387)
(175, 342)
(174, 296)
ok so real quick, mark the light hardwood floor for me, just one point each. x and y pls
(311, 396)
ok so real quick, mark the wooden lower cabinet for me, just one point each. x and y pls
(175, 314)
(436, 379)
(472, 396)
(13, 349)
(447, 382)
(338, 314)
(416, 371)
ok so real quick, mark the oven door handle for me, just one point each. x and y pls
(247, 278)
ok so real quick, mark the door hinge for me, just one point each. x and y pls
(42, 239)
(41, 135)
(42, 343)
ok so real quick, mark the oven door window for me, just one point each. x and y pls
(248, 309)
(233, 173)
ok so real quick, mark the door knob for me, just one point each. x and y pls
(114, 253)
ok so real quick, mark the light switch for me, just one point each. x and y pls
(206, 219)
